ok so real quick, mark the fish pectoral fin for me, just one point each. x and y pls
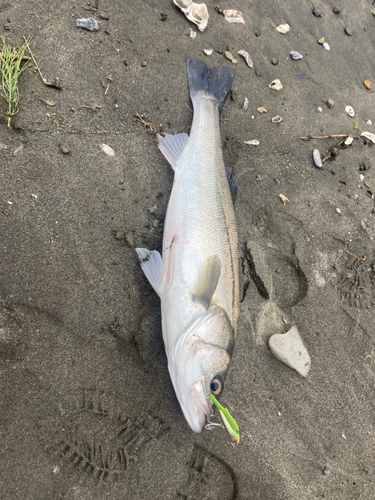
(233, 185)
(207, 280)
(152, 266)
(172, 147)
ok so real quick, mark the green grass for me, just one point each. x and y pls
(11, 69)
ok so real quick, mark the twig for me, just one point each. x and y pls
(90, 7)
(46, 101)
(189, 108)
(307, 138)
(90, 107)
(361, 259)
(106, 90)
(143, 122)
(56, 83)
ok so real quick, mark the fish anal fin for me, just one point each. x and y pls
(152, 266)
(233, 185)
(172, 147)
(208, 279)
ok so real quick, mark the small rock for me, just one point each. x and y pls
(275, 85)
(326, 46)
(367, 84)
(129, 239)
(234, 61)
(317, 12)
(373, 12)
(321, 40)
(330, 103)
(228, 55)
(208, 52)
(295, 55)
(257, 33)
(320, 109)
(290, 349)
(283, 28)
(245, 103)
(64, 148)
(317, 158)
(336, 9)
(88, 24)
(276, 119)
(155, 223)
(275, 62)
(349, 30)
(369, 122)
(301, 76)
(326, 471)
(258, 73)
(338, 211)
(18, 150)
(103, 16)
(144, 64)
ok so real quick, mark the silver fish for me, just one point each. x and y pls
(197, 279)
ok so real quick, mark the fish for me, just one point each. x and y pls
(197, 275)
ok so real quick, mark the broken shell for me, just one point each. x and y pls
(338, 211)
(363, 224)
(348, 141)
(330, 103)
(283, 28)
(233, 16)
(369, 136)
(196, 13)
(326, 46)
(208, 52)
(275, 85)
(88, 24)
(369, 122)
(317, 158)
(245, 103)
(192, 33)
(367, 84)
(276, 119)
(262, 110)
(228, 55)
(349, 110)
(295, 55)
(247, 58)
(283, 198)
(253, 142)
(107, 149)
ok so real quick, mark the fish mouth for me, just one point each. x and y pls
(201, 407)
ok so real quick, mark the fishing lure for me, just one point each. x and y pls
(229, 422)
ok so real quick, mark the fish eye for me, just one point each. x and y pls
(217, 386)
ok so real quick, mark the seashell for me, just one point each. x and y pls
(253, 142)
(107, 149)
(247, 58)
(88, 24)
(369, 122)
(196, 13)
(349, 110)
(192, 33)
(233, 16)
(283, 28)
(276, 119)
(245, 103)
(369, 136)
(326, 46)
(338, 211)
(317, 158)
(275, 85)
(348, 141)
(262, 110)
(208, 52)
(283, 198)
(295, 55)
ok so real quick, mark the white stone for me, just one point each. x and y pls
(290, 349)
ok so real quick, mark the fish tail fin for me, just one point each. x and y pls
(216, 82)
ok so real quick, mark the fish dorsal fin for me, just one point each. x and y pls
(233, 185)
(172, 147)
(208, 279)
(152, 266)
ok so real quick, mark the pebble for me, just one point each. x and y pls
(369, 122)
(320, 110)
(295, 55)
(275, 85)
(228, 55)
(64, 148)
(88, 24)
(290, 349)
(144, 64)
(349, 31)
(245, 103)
(234, 61)
(373, 12)
(208, 52)
(317, 158)
(317, 12)
(367, 84)
(338, 211)
(275, 62)
(301, 76)
(321, 40)
(257, 33)
(326, 46)
(330, 103)
(129, 239)
(103, 16)
(326, 471)
(336, 9)
(283, 28)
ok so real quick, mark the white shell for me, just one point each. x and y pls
(317, 159)
(247, 57)
(283, 198)
(295, 55)
(369, 122)
(326, 46)
(348, 141)
(245, 103)
(369, 136)
(283, 28)
(208, 52)
(349, 110)
(276, 119)
(253, 142)
(233, 16)
(107, 149)
(192, 33)
(275, 85)
(196, 13)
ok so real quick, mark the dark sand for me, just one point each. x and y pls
(87, 407)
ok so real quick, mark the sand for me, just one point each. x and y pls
(87, 407)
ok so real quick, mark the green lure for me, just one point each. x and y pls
(229, 422)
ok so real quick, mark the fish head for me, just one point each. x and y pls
(198, 363)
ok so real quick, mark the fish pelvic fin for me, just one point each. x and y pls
(213, 81)
(152, 266)
(172, 147)
(233, 185)
(208, 279)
